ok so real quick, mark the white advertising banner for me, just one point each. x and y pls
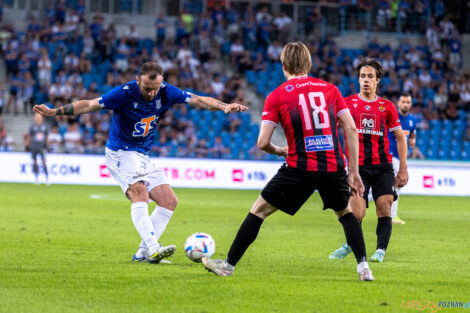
(426, 178)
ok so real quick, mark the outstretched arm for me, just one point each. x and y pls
(209, 103)
(74, 108)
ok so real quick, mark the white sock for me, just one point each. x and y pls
(142, 252)
(143, 225)
(380, 250)
(395, 204)
(362, 266)
(160, 218)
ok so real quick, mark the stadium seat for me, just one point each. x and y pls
(454, 155)
(443, 154)
(432, 153)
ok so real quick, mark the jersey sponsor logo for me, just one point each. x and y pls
(125, 87)
(158, 104)
(39, 136)
(289, 88)
(367, 107)
(381, 108)
(411, 123)
(144, 127)
(265, 113)
(309, 84)
(319, 143)
(135, 104)
(370, 132)
(368, 121)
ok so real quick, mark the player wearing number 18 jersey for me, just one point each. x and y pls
(375, 117)
(308, 109)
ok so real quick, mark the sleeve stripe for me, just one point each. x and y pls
(394, 128)
(342, 112)
(269, 122)
(100, 101)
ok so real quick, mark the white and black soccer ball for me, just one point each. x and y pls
(199, 245)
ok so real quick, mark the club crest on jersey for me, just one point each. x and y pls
(135, 104)
(145, 125)
(367, 121)
(158, 104)
(381, 108)
(289, 88)
(367, 107)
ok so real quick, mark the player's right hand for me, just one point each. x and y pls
(355, 183)
(43, 110)
(284, 151)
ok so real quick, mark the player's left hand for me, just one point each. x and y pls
(402, 178)
(234, 107)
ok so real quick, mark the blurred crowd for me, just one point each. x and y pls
(67, 56)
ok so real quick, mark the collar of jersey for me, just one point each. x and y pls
(370, 101)
(297, 77)
(163, 85)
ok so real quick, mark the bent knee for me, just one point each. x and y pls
(172, 203)
(137, 192)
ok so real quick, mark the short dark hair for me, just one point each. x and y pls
(405, 94)
(379, 71)
(151, 69)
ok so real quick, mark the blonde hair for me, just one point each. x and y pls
(296, 58)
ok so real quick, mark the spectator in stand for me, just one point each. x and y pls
(455, 54)
(161, 25)
(54, 140)
(72, 139)
(236, 51)
(218, 150)
(282, 25)
(274, 51)
(2, 100)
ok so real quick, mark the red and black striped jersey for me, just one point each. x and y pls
(307, 108)
(374, 119)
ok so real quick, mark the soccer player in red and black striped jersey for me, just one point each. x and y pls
(375, 117)
(309, 110)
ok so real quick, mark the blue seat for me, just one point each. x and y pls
(455, 155)
(443, 154)
(431, 153)
(250, 76)
(254, 128)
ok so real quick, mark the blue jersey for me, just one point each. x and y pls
(408, 124)
(134, 119)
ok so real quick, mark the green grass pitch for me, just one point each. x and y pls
(68, 249)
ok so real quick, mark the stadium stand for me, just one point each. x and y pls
(72, 54)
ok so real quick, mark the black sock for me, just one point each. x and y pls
(36, 170)
(245, 237)
(45, 171)
(354, 237)
(384, 231)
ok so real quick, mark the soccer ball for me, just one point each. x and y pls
(199, 245)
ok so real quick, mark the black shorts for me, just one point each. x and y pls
(290, 188)
(382, 180)
(35, 152)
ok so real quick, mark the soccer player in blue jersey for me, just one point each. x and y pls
(408, 124)
(138, 106)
